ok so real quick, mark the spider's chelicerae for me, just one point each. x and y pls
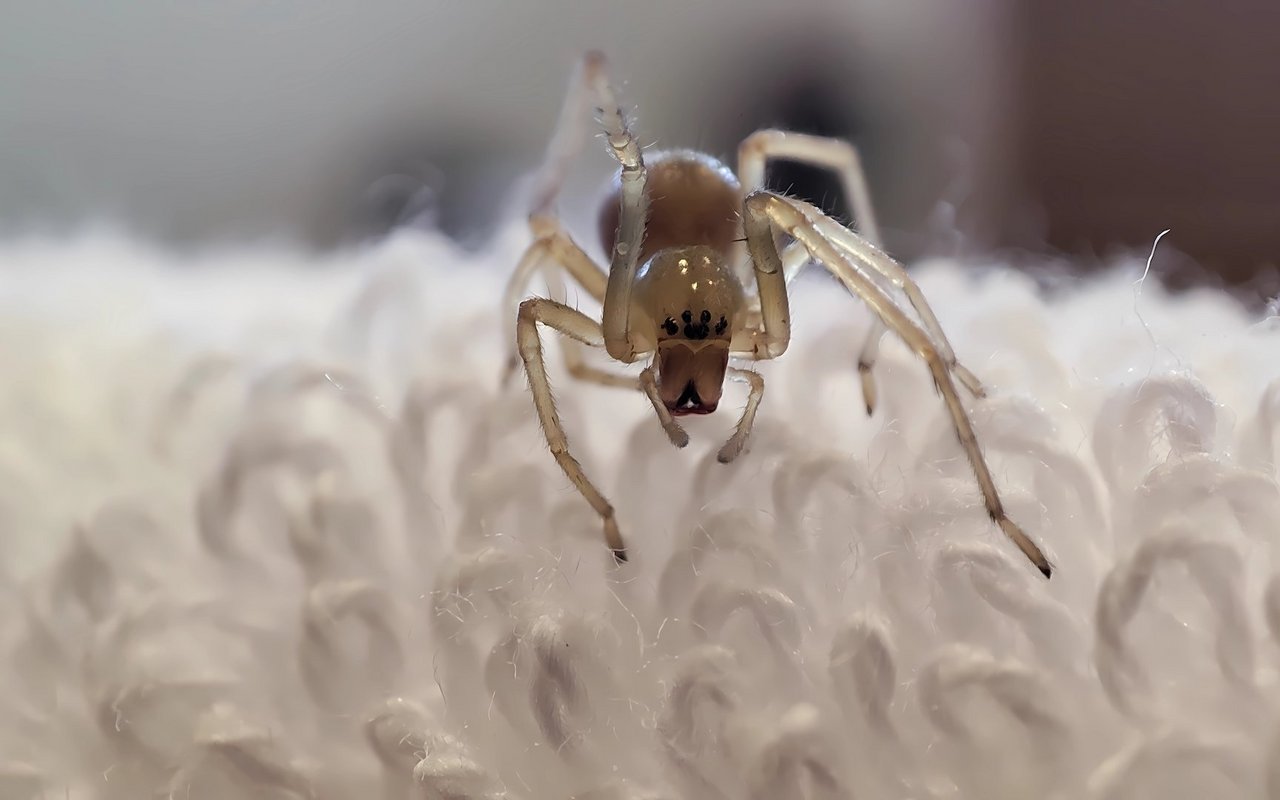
(674, 295)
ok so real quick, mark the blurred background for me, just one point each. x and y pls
(1023, 127)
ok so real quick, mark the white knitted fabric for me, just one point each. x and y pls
(270, 530)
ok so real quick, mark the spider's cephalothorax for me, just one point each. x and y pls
(685, 290)
(675, 289)
(697, 299)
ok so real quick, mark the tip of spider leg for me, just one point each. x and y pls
(730, 452)
(1024, 543)
(613, 540)
(868, 387)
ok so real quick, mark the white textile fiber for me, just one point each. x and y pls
(271, 530)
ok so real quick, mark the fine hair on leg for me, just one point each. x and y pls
(854, 268)
(841, 157)
(568, 322)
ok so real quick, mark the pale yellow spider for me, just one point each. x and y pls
(672, 293)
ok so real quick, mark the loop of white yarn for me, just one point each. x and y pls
(448, 771)
(1216, 570)
(796, 750)
(1167, 752)
(1009, 590)
(331, 536)
(863, 673)
(773, 616)
(250, 454)
(1133, 419)
(703, 698)
(801, 475)
(721, 535)
(196, 380)
(1171, 489)
(358, 573)
(1258, 439)
(335, 676)
(1020, 690)
(226, 742)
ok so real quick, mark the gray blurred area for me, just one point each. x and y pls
(984, 124)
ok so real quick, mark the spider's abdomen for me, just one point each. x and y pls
(693, 200)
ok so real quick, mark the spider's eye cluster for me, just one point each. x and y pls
(695, 328)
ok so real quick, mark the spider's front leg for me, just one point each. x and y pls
(579, 326)
(553, 251)
(853, 264)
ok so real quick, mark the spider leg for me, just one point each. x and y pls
(590, 84)
(794, 259)
(872, 257)
(837, 155)
(574, 324)
(841, 157)
(552, 244)
(570, 132)
(742, 431)
(764, 210)
(633, 200)
(554, 252)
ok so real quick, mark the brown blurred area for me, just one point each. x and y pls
(1017, 129)
(1133, 116)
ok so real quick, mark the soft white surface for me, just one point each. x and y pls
(270, 530)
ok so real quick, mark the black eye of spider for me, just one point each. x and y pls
(721, 325)
(696, 330)
(671, 327)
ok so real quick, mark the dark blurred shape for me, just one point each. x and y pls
(1041, 126)
(811, 99)
(1135, 116)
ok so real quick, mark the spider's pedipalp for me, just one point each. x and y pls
(742, 431)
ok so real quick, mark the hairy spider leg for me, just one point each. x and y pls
(742, 431)
(553, 251)
(840, 157)
(553, 247)
(572, 323)
(763, 211)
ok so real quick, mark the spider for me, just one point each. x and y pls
(673, 225)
